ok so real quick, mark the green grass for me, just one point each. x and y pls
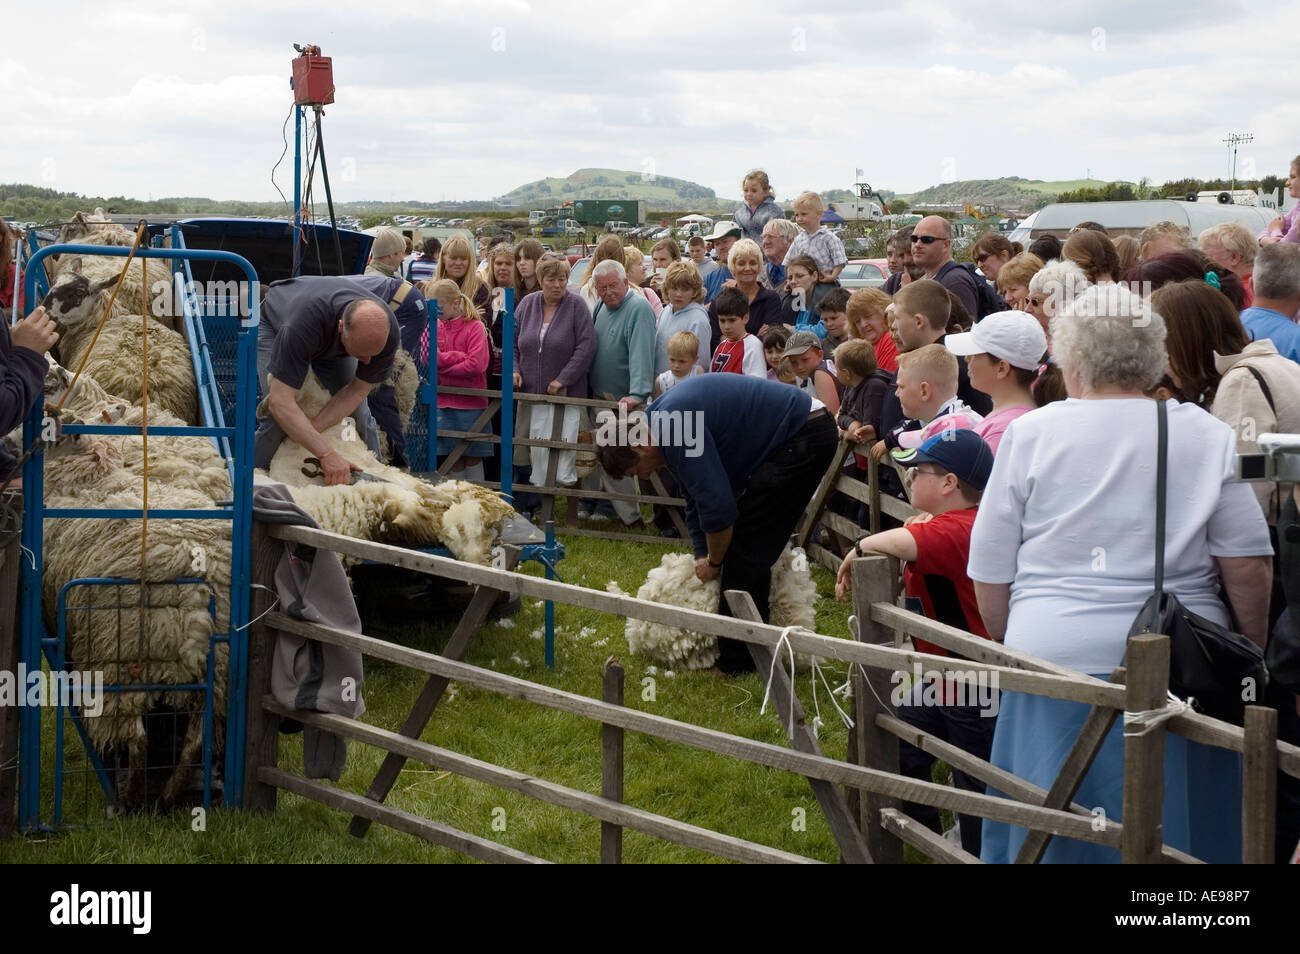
(712, 791)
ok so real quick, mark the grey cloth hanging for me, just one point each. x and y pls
(305, 674)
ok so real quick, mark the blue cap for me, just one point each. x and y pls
(958, 451)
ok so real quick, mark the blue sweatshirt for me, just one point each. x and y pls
(713, 431)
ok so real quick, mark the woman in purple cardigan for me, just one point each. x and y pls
(555, 344)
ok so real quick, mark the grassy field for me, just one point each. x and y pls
(712, 791)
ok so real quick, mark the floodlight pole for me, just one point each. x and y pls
(1234, 140)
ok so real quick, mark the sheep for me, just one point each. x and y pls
(94, 228)
(405, 381)
(185, 461)
(75, 302)
(171, 644)
(467, 519)
(792, 603)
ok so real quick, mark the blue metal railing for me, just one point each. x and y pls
(236, 442)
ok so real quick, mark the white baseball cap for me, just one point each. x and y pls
(1015, 337)
(722, 230)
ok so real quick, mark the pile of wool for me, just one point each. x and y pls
(673, 582)
(792, 603)
(404, 509)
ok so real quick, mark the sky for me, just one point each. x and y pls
(467, 99)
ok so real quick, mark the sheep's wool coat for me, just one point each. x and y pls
(792, 603)
(465, 518)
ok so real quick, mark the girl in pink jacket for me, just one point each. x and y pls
(463, 358)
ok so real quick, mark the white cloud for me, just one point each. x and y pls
(190, 100)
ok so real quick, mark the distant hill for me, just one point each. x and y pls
(1010, 192)
(660, 192)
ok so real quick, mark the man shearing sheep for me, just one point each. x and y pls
(748, 454)
(348, 337)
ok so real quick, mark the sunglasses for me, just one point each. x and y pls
(926, 239)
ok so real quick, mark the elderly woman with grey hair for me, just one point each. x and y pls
(1062, 556)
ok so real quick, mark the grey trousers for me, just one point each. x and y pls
(334, 374)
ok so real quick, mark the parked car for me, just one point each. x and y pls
(864, 273)
(578, 271)
(617, 227)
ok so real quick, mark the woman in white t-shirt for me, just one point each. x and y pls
(1063, 557)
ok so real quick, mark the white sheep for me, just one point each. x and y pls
(170, 645)
(464, 517)
(183, 461)
(405, 379)
(792, 603)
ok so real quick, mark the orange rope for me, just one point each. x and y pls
(139, 237)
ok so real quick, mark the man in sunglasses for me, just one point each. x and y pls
(932, 250)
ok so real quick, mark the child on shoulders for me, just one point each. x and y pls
(814, 239)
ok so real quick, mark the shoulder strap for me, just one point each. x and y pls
(1263, 386)
(1162, 471)
(399, 296)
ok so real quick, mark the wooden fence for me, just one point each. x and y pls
(549, 491)
(860, 796)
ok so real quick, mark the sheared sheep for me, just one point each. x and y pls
(170, 645)
(465, 518)
(792, 603)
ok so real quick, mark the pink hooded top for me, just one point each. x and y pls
(463, 356)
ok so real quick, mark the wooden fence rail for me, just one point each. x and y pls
(873, 828)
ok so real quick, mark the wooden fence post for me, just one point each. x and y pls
(262, 737)
(1259, 786)
(1144, 751)
(611, 764)
(10, 653)
(870, 746)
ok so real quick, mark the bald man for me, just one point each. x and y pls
(348, 337)
(932, 250)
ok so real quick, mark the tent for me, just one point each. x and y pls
(695, 217)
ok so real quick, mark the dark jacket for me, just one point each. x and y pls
(567, 351)
(22, 381)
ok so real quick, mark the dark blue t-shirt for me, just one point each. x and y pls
(713, 431)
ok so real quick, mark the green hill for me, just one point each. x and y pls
(660, 192)
(1010, 192)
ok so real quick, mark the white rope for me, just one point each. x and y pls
(274, 604)
(819, 673)
(771, 673)
(1140, 723)
(853, 628)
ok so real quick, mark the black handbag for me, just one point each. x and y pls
(1210, 666)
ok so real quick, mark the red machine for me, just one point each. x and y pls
(313, 77)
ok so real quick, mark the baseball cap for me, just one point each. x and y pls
(1016, 337)
(799, 342)
(722, 230)
(388, 241)
(959, 452)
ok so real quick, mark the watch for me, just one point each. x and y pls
(857, 548)
(716, 566)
